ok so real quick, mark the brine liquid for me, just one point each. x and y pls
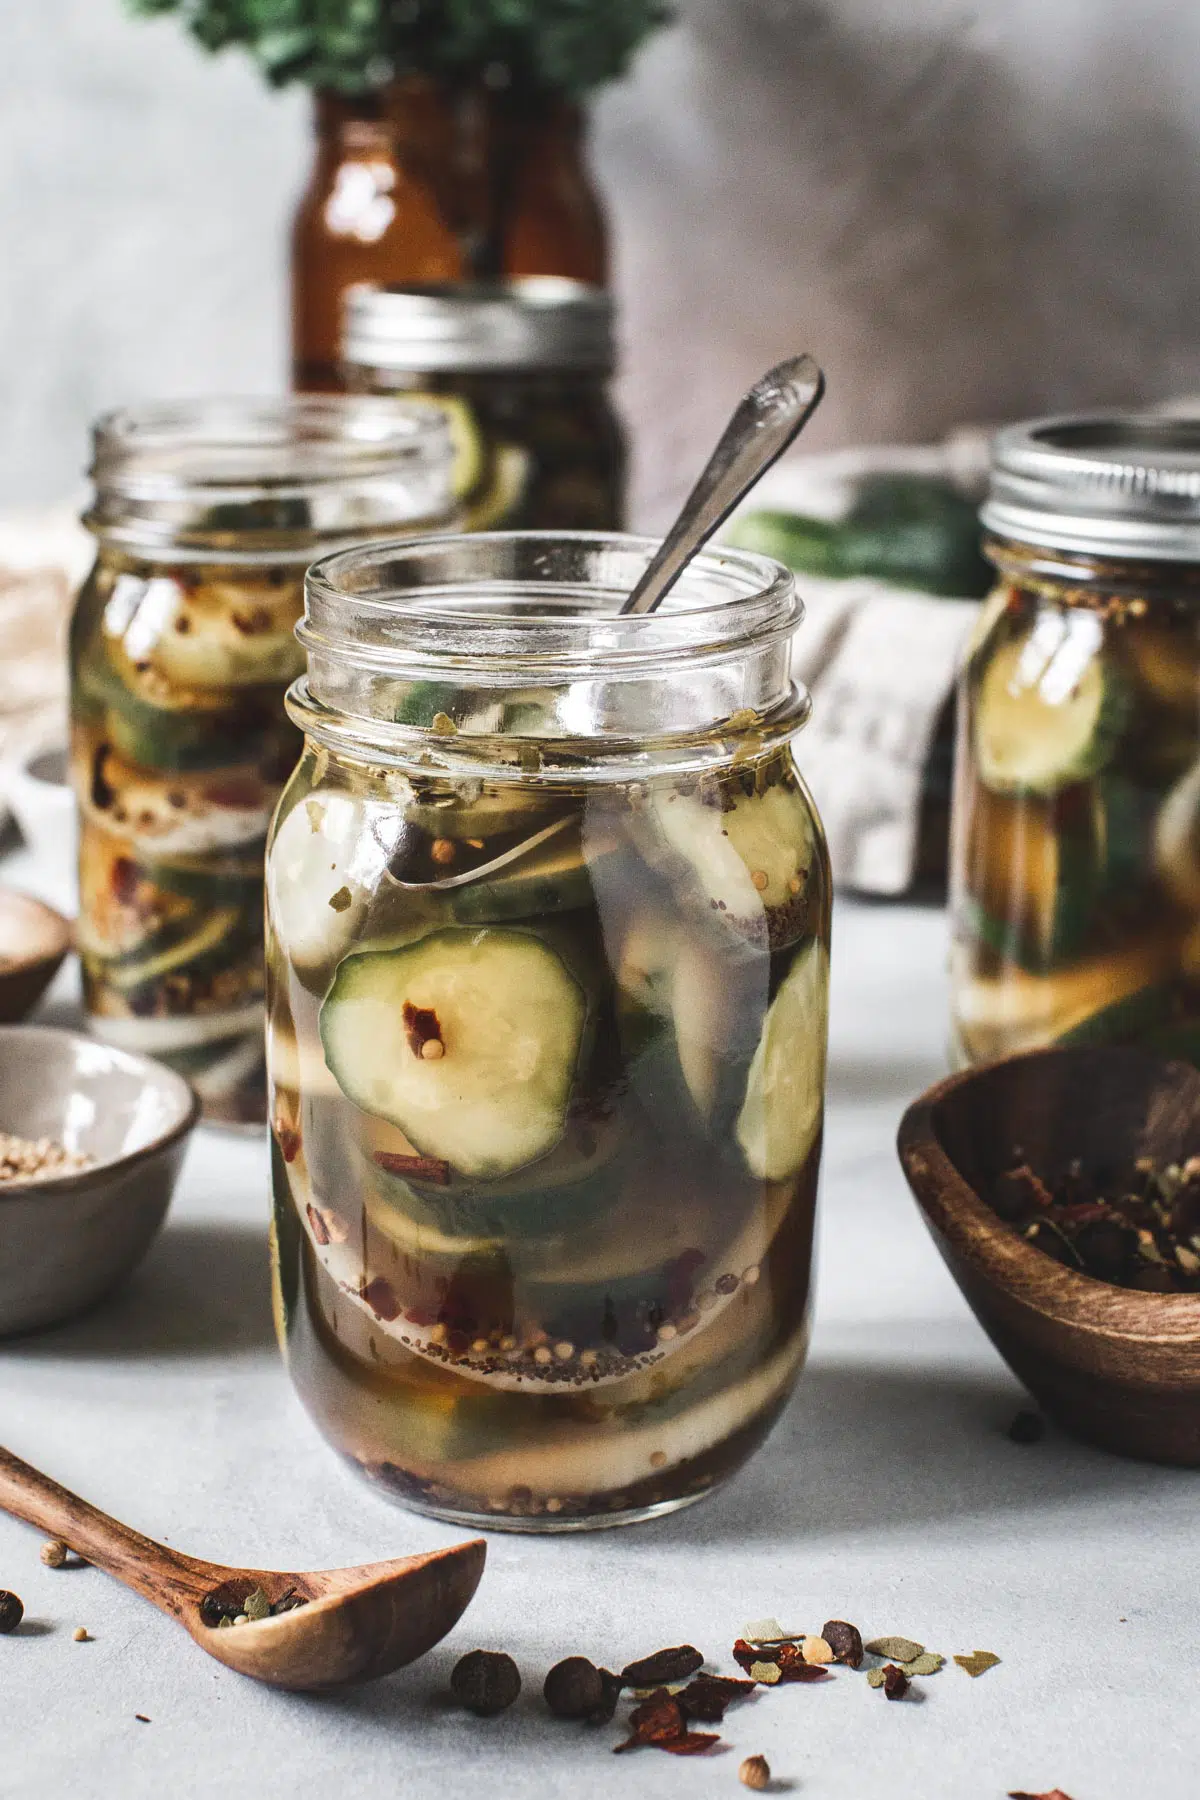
(610, 1328)
(180, 748)
(1076, 901)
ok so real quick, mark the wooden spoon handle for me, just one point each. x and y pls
(154, 1571)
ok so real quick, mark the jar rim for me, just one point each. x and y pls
(278, 474)
(356, 607)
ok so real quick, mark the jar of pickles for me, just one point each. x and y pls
(548, 937)
(523, 368)
(182, 645)
(1076, 879)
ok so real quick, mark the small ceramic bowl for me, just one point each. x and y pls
(33, 941)
(36, 785)
(66, 1242)
(1112, 1365)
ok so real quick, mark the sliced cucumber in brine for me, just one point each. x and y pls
(219, 635)
(468, 1041)
(750, 856)
(781, 1114)
(324, 864)
(1177, 842)
(554, 878)
(178, 814)
(1050, 706)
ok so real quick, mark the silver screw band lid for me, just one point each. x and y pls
(1104, 484)
(536, 322)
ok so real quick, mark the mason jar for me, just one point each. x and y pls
(182, 645)
(548, 941)
(1076, 877)
(524, 368)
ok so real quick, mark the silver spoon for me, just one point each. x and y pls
(441, 884)
(772, 416)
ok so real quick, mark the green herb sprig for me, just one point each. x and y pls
(562, 46)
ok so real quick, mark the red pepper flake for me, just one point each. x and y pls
(380, 1296)
(792, 1666)
(659, 1723)
(421, 1027)
(242, 792)
(895, 1682)
(675, 1664)
(416, 1168)
(320, 1229)
(289, 1145)
(707, 1697)
(744, 1654)
(1050, 1794)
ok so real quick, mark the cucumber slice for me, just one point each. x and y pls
(123, 910)
(212, 932)
(510, 1020)
(750, 859)
(324, 863)
(781, 1116)
(219, 635)
(467, 438)
(1177, 842)
(178, 814)
(999, 1016)
(1049, 708)
(500, 502)
(554, 879)
(478, 812)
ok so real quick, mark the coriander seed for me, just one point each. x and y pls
(755, 1773)
(55, 1553)
(80, 1634)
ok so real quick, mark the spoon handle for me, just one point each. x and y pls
(154, 1571)
(768, 419)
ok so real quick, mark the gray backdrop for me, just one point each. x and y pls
(967, 211)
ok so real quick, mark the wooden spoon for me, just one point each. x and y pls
(355, 1623)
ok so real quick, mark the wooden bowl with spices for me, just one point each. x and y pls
(1031, 1172)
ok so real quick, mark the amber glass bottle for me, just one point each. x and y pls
(428, 182)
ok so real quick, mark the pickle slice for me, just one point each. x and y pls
(507, 1019)
(179, 814)
(325, 862)
(1050, 707)
(781, 1114)
(222, 636)
(749, 858)
(1177, 842)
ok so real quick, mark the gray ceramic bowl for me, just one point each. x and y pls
(67, 1242)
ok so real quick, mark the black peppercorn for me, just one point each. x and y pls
(485, 1682)
(11, 1612)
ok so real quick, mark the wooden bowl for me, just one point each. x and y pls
(33, 942)
(1112, 1365)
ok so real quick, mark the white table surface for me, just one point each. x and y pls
(889, 1495)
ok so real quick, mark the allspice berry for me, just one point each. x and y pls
(755, 1772)
(485, 1682)
(574, 1688)
(11, 1612)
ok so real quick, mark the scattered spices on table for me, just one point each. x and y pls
(54, 1554)
(38, 1159)
(80, 1634)
(896, 1649)
(768, 1631)
(1027, 1428)
(141, 1718)
(928, 1663)
(574, 1689)
(658, 1723)
(816, 1650)
(485, 1682)
(845, 1642)
(1050, 1794)
(755, 1772)
(978, 1663)
(1143, 1233)
(768, 1673)
(665, 1665)
(11, 1612)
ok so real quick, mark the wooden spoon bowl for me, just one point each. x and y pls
(354, 1625)
(1112, 1365)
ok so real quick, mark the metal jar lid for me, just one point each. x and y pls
(536, 322)
(1105, 484)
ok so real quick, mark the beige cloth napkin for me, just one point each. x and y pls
(43, 558)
